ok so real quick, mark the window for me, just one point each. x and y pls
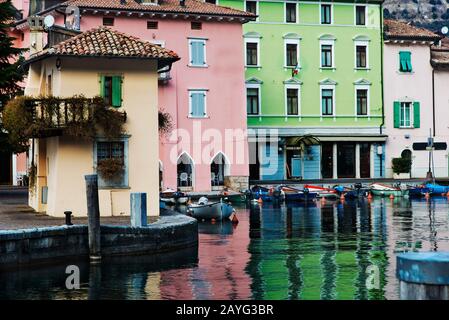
(194, 25)
(362, 102)
(152, 24)
(111, 90)
(406, 114)
(252, 101)
(108, 21)
(292, 101)
(327, 102)
(361, 61)
(108, 153)
(212, 1)
(185, 171)
(291, 50)
(405, 61)
(290, 12)
(197, 103)
(49, 86)
(405, 117)
(251, 6)
(326, 55)
(360, 15)
(252, 53)
(326, 14)
(197, 49)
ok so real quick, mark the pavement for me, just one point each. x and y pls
(16, 214)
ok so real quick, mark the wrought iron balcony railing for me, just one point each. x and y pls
(51, 116)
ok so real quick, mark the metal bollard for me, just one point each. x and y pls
(423, 275)
(68, 218)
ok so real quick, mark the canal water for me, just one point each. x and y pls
(325, 250)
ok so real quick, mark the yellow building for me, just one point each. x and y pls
(124, 71)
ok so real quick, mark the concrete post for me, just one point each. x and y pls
(93, 214)
(423, 275)
(138, 209)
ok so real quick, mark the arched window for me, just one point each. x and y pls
(219, 168)
(161, 175)
(406, 154)
(185, 170)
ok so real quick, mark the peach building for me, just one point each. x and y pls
(123, 70)
(204, 93)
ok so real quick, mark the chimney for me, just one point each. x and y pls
(182, 3)
(36, 34)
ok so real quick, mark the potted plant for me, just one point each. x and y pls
(401, 168)
(110, 169)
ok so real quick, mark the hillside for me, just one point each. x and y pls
(432, 14)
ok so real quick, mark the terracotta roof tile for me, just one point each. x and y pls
(440, 54)
(105, 42)
(172, 6)
(394, 29)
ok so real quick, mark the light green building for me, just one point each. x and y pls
(314, 75)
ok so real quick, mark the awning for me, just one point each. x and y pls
(306, 140)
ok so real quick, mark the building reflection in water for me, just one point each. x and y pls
(319, 251)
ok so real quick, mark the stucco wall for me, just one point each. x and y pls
(68, 160)
(415, 86)
(223, 79)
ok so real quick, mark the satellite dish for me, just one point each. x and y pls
(49, 21)
(444, 30)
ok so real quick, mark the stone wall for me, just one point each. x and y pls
(51, 244)
(237, 183)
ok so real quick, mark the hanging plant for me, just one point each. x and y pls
(25, 118)
(165, 122)
(111, 168)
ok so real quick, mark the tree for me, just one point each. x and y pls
(11, 73)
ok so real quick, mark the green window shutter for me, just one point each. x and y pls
(416, 115)
(405, 60)
(117, 91)
(102, 86)
(396, 113)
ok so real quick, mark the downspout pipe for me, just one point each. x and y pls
(433, 101)
(382, 68)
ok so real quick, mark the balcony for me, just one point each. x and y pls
(79, 117)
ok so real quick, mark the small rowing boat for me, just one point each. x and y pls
(383, 190)
(205, 210)
(293, 194)
(172, 197)
(322, 192)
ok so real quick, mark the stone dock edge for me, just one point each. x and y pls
(45, 245)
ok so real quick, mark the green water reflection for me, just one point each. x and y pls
(321, 251)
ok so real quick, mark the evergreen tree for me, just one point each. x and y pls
(11, 73)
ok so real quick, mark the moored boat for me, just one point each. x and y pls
(383, 190)
(172, 197)
(436, 189)
(205, 210)
(322, 192)
(293, 194)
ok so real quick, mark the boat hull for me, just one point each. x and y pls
(388, 193)
(215, 210)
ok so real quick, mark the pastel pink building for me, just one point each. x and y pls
(204, 93)
(416, 99)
